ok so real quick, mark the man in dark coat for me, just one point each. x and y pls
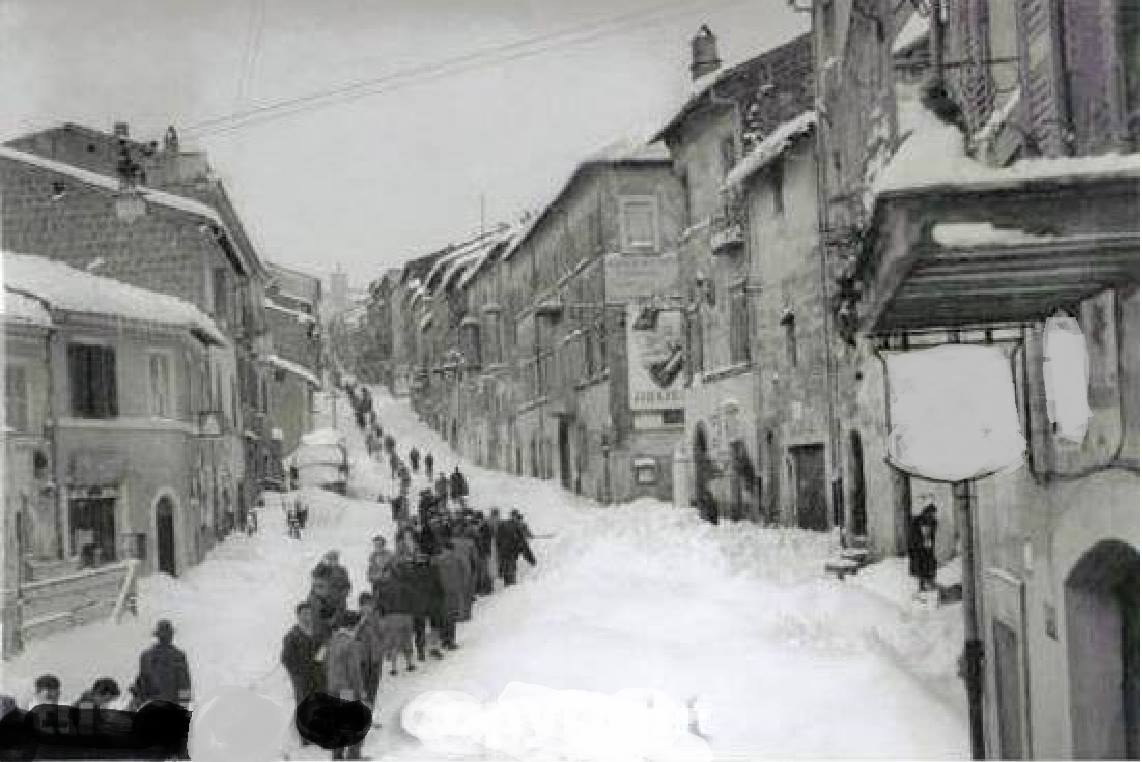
(423, 596)
(163, 671)
(922, 547)
(458, 486)
(330, 564)
(300, 649)
(511, 543)
(482, 533)
(441, 487)
(428, 465)
(451, 572)
(414, 459)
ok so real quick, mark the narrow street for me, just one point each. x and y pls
(785, 662)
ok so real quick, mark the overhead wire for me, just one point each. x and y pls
(519, 49)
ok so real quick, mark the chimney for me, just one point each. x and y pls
(122, 130)
(704, 51)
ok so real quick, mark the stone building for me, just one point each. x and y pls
(293, 304)
(121, 472)
(756, 442)
(991, 201)
(174, 230)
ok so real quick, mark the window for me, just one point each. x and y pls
(16, 397)
(645, 471)
(777, 185)
(221, 295)
(790, 337)
(91, 372)
(673, 417)
(729, 155)
(162, 402)
(739, 326)
(639, 223)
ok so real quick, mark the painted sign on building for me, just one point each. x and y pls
(631, 276)
(656, 358)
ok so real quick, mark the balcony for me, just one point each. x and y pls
(947, 257)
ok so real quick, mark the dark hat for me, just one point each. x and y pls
(163, 627)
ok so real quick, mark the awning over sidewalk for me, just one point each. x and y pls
(957, 257)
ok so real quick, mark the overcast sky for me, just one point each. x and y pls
(398, 169)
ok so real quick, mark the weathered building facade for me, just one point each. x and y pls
(991, 200)
(292, 306)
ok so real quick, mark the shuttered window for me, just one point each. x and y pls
(1038, 54)
(91, 372)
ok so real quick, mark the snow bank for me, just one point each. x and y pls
(66, 288)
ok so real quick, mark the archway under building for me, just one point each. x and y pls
(1102, 652)
(164, 536)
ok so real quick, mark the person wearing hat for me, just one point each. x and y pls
(163, 671)
(922, 546)
(380, 563)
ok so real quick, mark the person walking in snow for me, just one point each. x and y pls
(394, 463)
(414, 459)
(380, 563)
(441, 487)
(511, 543)
(922, 547)
(345, 672)
(482, 533)
(458, 487)
(454, 603)
(423, 596)
(300, 655)
(163, 671)
(428, 465)
(405, 479)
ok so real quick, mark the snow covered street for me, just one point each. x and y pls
(785, 661)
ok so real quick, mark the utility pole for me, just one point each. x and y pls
(973, 644)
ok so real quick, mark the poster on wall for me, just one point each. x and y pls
(656, 357)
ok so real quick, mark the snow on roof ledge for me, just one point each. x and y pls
(294, 368)
(17, 308)
(772, 147)
(67, 288)
(914, 31)
(955, 234)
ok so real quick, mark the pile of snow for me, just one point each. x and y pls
(771, 147)
(66, 288)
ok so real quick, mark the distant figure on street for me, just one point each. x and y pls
(707, 505)
(101, 693)
(405, 478)
(163, 671)
(511, 543)
(441, 487)
(380, 563)
(922, 547)
(414, 459)
(458, 486)
(428, 465)
(300, 655)
(47, 691)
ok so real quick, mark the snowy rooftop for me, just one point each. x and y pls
(622, 151)
(914, 32)
(504, 240)
(66, 288)
(174, 201)
(17, 308)
(294, 368)
(772, 147)
(932, 155)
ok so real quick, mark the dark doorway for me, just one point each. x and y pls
(564, 454)
(773, 478)
(164, 529)
(809, 477)
(856, 463)
(703, 471)
(902, 497)
(92, 523)
(1102, 645)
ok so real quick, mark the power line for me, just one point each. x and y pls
(450, 66)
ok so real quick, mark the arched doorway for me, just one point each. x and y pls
(164, 535)
(1102, 652)
(703, 474)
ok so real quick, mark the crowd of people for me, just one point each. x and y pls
(164, 675)
(421, 585)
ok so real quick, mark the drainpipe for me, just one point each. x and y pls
(972, 664)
